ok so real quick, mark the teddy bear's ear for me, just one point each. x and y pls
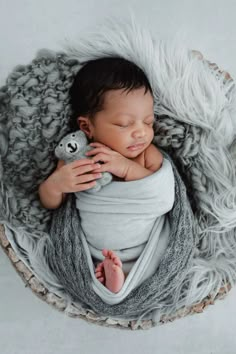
(81, 134)
(82, 138)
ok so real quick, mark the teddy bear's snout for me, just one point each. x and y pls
(72, 147)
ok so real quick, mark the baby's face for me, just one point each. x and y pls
(126, 122)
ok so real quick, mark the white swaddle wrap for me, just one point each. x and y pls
(129, 218)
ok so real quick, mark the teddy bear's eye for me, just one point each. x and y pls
(61, 145)
(73, 135)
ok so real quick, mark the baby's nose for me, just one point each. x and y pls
(139, 132)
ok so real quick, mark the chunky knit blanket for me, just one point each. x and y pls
(196, 126)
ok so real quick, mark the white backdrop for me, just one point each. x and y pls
(27, 25)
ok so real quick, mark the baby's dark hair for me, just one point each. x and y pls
(97, 77)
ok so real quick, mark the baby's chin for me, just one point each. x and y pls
(133, 154)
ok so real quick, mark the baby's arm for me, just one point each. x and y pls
(49, 197)
(153, 161)
(74, 177)
(153, 158)
(123, 167)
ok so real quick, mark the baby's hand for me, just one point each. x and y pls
(74, 177)
(113, 161)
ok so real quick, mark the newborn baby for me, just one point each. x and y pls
(113, 105)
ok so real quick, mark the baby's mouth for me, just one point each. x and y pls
(135, 147)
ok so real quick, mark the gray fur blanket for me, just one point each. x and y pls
(196, 127)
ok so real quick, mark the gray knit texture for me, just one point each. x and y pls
(67, 259)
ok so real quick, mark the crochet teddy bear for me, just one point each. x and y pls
(73, 147)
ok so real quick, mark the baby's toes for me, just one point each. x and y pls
(99, 267)
(117, 261)
(111, 255)
(102, 280)
(99, 274)
(105, 252)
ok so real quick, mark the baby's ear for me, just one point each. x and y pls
(85, 125)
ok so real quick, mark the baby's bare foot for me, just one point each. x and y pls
(114, 275)
(100, 273)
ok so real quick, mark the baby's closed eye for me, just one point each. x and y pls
(122, 125)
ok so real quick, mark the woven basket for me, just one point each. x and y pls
(72, 310)
(59, 303)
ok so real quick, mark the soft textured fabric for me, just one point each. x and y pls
(68, 255)
(131, 219)
(196, 125)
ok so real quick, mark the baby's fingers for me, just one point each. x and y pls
(81, 162)
(101, 168)
(101, 157)
(87, 178)
(80, 170)
(84, 186)
(98, 150)
(86, 182)
(99, 145)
